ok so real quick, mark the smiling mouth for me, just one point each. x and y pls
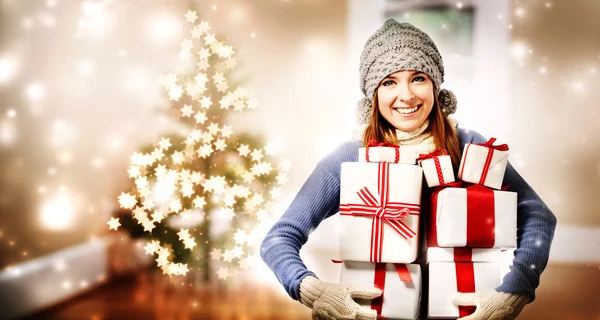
(407, 111)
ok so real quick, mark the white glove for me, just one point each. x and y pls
(335, 301)
(492, 305)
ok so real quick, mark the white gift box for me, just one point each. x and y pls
(464, 254)
(401, 299)
(432, 175)
(406, 154)
(452, 226)
(473, 165)
(443, 285)
(398, 244)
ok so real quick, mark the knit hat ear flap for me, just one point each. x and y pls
(447, 101)
(363, 111)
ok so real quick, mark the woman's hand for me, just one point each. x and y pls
(492, 305)
(336, 301)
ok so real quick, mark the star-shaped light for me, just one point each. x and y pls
(226, 131)
(215, 254)
(187, 111)
(200, 117)
(243, 150)
(213, 128)
(148, 225)
(113, 224)
(127, 201)
(134, 172)
(204, 26)
(220, 145)
(223, 273)
(199, 202)
(190, 16)
(256, 155)
(183, 234)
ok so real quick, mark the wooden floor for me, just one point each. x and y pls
(567, 292)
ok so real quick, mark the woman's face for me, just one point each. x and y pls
(405, 99)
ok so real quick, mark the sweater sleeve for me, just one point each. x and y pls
(535, 231)
(317, 200)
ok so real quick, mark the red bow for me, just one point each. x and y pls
(490, 144)
(382, 211)
(432, 155)
(375, 143)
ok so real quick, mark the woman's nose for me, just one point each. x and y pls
(405, 93)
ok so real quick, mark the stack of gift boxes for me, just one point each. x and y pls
(469, 222)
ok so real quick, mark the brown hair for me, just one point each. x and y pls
(445, 136)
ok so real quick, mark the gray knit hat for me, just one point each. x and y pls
(394, 47)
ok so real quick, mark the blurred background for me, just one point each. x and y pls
(82, 87)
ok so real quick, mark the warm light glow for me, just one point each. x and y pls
(57, 213)
(519, 50)
(8, 68)
(163, 29)
(85, 67)
(35, 92)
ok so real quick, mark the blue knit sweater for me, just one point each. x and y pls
(319, 197)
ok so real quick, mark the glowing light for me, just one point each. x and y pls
(543, 70)
(65, 157)
(11, 113)
(459, 5)
(35, 92)
(8, 68)
(57, 213)
(85, 67)
(519, 50)
(163, 191)
(66, 285)
(252, 35)
(520, 12)
(60, 265)
(163, 29)
(98, 163)
(114, 141)
(95, 19)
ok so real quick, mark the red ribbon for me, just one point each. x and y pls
(465, 283)
(379, 282)
(375, 143)
(480, 215)
(382, 210)
(463, 254)
(434, 155)
(481, 219)
(488, 160)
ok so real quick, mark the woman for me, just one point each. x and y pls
(401, 72)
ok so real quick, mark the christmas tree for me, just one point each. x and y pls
(186, 186)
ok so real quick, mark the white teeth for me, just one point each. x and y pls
(406, 111)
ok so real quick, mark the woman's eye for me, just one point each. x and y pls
(388, 83)
(419, 79)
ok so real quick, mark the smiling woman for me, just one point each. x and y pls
(401, 73)
(405, 99)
